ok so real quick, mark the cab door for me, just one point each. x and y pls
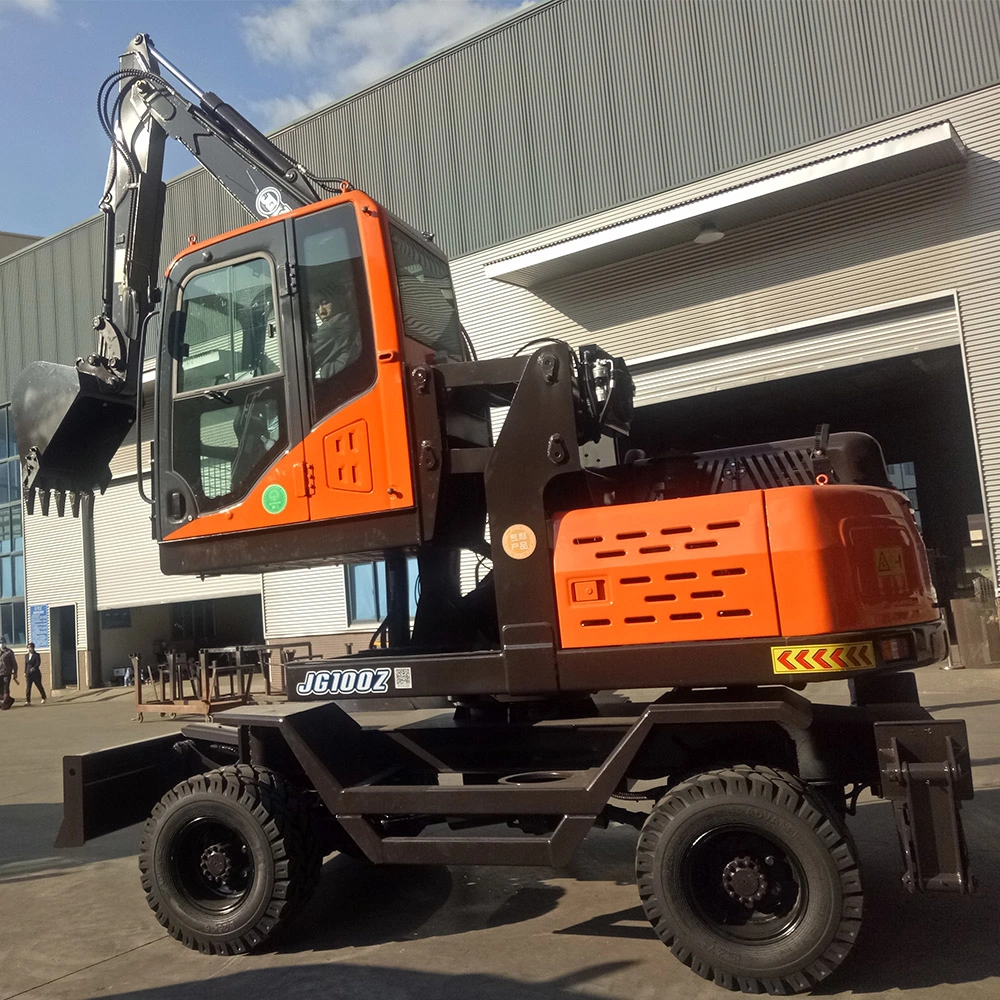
(357, 448)
(229, 412)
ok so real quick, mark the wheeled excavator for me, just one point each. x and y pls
(316, 400)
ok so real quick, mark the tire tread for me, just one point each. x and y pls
(286, 821)
(789, 792)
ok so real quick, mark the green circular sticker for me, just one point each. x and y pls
(274, 499)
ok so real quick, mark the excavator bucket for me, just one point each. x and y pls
(66, 433)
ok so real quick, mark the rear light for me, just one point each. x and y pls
(898, 648)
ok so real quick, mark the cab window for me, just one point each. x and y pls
(229, 411)
(336, 314)
(426, 297)
(234, 436)
(229, 330)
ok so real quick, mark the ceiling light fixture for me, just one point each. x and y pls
(709, 233)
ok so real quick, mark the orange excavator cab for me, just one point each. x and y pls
(280, 387)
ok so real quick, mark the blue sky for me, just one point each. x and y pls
(273, 61)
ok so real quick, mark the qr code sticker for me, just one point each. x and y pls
(402, 677)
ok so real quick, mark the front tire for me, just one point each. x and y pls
(750, 881)
(227, 856)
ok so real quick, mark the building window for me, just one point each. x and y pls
(904, 479)
(11, 536)
(366, 591)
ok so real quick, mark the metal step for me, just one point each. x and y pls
(554, 850)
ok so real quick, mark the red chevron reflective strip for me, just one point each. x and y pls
(802, 659)
(816, 659)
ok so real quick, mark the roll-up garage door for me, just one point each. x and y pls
(778, 354)
(128, 562)
(53, 554)
(305, 602)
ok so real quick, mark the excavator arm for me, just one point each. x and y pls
(71, 420)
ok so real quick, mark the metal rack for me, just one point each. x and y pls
(170, 695)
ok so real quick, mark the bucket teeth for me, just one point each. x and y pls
(33, 494)
(45, 498)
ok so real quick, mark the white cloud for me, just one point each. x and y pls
(277, 111)
(340, 46)
(290, 32)
(43, 8)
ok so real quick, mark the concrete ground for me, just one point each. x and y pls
(74, 924)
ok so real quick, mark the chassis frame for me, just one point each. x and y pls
(382, 782)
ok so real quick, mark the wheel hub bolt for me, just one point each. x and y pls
(216, 864)
(744, 881)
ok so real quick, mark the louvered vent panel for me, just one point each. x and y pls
(668, 571)
(348, 458)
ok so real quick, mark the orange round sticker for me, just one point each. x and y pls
(519, 541)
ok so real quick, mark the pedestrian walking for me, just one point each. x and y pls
(8, 672)
(32, 674)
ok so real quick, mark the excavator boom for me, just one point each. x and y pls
(71, 420)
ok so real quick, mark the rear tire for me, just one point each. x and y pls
(750, 880)
(227, 856)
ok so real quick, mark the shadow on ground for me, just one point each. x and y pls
(908, 941)
(338, 980)
(405, 902)
(960, 704)
(410, 902)
(28, 831)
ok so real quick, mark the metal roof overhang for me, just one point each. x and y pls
(919, 151)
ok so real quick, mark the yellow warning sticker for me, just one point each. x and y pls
(822, 659)
(889, 562)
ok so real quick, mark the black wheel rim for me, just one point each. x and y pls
(212, 865)
(745, 885)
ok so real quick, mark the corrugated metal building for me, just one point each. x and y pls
(576, 161)
(12, 242)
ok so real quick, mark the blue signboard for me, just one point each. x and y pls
(38, 615)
